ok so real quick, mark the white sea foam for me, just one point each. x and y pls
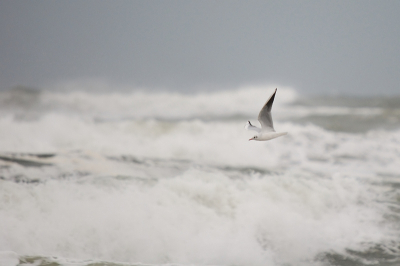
(190, 191)
(198, 217)
(140, 104)
(8, 258)
(203, 142)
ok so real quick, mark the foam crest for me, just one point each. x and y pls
(203, 142)
(166, 105)
(198, 217)
(83, 180)
(8, 258)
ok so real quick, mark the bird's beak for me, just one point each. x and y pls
(251, 139)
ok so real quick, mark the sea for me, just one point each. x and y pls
(153, 177)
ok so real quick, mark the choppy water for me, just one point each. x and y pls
(171, 179)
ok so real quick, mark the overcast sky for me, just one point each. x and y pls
(350, 47)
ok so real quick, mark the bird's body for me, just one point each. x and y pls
(267, 131)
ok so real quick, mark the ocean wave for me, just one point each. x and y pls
(198, 216)
(332, 113)
(115, 179)
(139, 104)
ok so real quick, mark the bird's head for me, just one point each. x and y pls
(254, 138)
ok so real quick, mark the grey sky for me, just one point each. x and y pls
(347, 47)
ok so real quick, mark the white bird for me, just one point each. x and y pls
(267, 131)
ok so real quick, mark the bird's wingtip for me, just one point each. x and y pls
(247, 125)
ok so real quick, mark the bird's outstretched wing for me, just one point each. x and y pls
(265, 117)
(249, 126)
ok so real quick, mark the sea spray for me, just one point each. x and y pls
(163, 178)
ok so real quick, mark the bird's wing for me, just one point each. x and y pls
(265, 117)
(249, 126)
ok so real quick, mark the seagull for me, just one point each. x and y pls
(267, 131)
